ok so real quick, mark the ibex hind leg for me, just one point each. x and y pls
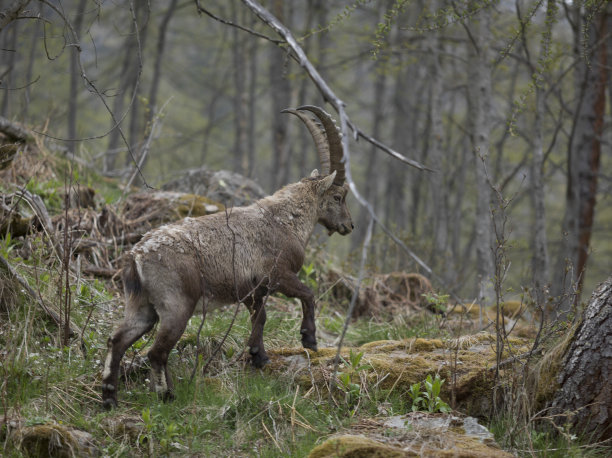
(140, 317)
(173, 322)
(259, 357)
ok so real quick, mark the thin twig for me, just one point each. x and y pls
(201, 10)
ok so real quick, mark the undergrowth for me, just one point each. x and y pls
(232, 409)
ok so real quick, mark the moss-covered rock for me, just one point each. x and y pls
(396, 365)
(54, 440)
(416, 434)
(355, 447)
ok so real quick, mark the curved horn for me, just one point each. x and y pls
(318, 137)
(333, 139)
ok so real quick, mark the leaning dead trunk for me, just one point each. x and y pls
(585, 393)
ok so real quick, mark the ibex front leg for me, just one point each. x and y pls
(257, 309)
(291, 286)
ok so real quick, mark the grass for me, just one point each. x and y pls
(232, 410)
(236, 411)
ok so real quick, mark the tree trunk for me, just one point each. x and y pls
(159, 53)
(239, 100)
(10, 44)
(252, 104)
(127, 81)
(136, 130)
(281, 95)
(152, 105)
(402, 117)
(75, 77)
(479, 103)
(584, 151)
(540, 260)
(585, 392)
(30, 67)
(438, 182)
(379, 109)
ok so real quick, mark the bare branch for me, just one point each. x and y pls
(201, 9)
(329, 95)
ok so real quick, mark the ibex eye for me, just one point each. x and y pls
(337, 198)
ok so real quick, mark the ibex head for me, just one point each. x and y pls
(333, 212)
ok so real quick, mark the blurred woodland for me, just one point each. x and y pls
(507, 101)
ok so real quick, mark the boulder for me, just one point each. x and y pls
(229, 188)
(54, 440)
(415, 434)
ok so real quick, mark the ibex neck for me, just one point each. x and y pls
(295, 208)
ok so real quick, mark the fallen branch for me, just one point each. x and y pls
(36, 297)
(96, 271)
(15, 131)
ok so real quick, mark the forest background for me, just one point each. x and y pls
(507, 101)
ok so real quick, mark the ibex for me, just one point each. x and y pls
(242, 255)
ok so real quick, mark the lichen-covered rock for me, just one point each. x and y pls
(397, 364)
(54, 440)
(415, 434)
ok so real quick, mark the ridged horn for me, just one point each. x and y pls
(333, 140)
(318, 136)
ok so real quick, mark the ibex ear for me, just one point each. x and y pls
(326, 182)
(314, 173)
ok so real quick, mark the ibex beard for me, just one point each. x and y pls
(242, 255)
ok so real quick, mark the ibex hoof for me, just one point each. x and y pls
(168, 396)
(310, 342)
(109, 403)
(259, 360)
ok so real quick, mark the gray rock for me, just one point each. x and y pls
(229, 188)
